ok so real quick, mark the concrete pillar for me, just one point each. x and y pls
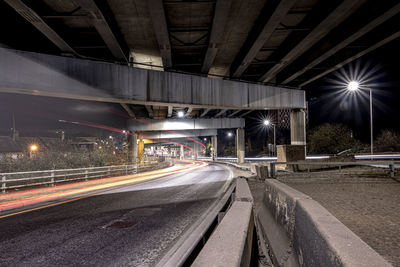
(182, 154)
(196, 150)
(240, 145)
(297, 127)
(214, 145)
(297, 149)
(140, 150)
(132, 149)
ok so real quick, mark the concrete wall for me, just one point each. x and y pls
(38, 74)
(303, 233)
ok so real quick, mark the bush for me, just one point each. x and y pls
(63, 160)
(332, 139)
(388, 141)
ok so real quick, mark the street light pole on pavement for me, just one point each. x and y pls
(354, 86)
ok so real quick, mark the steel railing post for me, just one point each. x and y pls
(52, 178)
(3, 183)
(86, 174)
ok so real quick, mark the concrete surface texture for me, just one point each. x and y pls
(370, 208)
(301, 232)
(32, 73)
(230, 244)
(129, 226)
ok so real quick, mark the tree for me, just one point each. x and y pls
(388, 141)
(331, 139)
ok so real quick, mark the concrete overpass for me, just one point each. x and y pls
(156, 57)
(163, 95)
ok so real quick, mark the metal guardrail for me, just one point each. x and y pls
(307, 166)
(14, 180)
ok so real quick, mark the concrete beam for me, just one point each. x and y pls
(102, 18)
(275, 11)
(188, 112)
(128, 110)
(244, 114)
(32, 17)
(221, 14)
(358, 55)
(38, 74)
(150, 111)
(186, 124)
(170, 109)
(157, 13)
(204, 112)
(221, 112)
(179, 134)
(234, 113)
(345, 9)
(359, 33)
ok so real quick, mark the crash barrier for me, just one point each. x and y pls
(301, 232)
(228, 225)
(14, 180)
(378, 167)
(231, 243)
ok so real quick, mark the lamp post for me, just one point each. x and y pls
(354, 86)
(267, 123)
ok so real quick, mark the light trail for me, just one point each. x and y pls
(30, 197)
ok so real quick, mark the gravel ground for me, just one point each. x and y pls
(370, 207)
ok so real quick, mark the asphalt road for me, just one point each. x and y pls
(130, 226)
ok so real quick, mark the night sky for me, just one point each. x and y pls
(37, 115)
(327, 104)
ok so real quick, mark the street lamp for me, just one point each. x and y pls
(181, 114)
(355, 86)
(229, 134)
(268, 123)
(33, 148)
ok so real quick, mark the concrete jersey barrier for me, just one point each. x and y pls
(231, 242)
(315, 235)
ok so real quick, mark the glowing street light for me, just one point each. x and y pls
(205, 139)
(33, 148)
(354, 86)
(230, 134)
(267, 122)
(181, 114)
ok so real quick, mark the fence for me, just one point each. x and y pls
(25, 179)
(355, 169)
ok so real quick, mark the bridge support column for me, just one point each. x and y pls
(182, 153)
(297, 149)
(132, 148)
(214, 145)
(196, 150)
(140, 150)
(240, 145)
